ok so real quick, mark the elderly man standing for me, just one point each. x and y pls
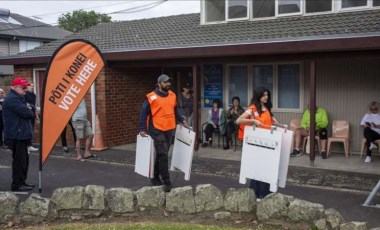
(17, 119)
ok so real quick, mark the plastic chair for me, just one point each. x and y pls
(363, 145)
(340, 133)
(295, 123)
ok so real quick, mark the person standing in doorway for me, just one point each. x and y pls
(259, 113)
(17, 132)
(160, 111)
(185, 104)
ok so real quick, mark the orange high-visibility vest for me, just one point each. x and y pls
(162, 109)
(265, 119)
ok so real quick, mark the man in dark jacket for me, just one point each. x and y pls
(17, 119)
(160, 108)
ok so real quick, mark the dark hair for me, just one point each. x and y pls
(257, 95)
(236, 98)
(218, 102)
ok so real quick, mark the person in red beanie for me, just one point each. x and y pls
(17, 131)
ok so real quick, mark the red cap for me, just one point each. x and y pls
(20, 81)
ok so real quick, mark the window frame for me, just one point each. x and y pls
(262, 18)
(226, 79)
(203, 15)
(277, 14)
(333, 8)
(37, 84)
(227, 19)
(275, 84)
(356, 8)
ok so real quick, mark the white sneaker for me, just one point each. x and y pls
(368, 159)
(372, 146)
(32, 149)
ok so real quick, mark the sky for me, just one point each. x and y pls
(50, 11)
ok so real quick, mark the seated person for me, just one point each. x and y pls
(215, 120)
(321, 122)
(371, 125)
(233, 113)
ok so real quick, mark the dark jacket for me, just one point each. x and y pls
(17, 118)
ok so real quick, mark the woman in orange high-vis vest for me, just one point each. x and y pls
(259, 114)
(158, 117)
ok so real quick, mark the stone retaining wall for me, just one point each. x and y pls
(92, 201)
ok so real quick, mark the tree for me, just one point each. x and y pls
(79, 20)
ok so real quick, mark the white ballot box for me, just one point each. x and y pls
(265, 156)
(145, 156)
(183, 150)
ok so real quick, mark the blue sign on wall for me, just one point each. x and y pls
(213, 84)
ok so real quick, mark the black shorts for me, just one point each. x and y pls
(322, 133)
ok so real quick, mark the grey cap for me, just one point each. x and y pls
(164, 78)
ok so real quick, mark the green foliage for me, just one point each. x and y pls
(79, 20)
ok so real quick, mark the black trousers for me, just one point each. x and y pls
(261, 188)
(162, 143)
(230, 129)
(370, 136)
(63, 134)
(209, 130)
(20, 162)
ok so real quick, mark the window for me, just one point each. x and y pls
(237, 84)
(237, 9)
(289, 6)
(353, 3)
(284, 80)
(38, 79)
(288, 86)
(263, 8)
(262, 76)
(215, 10)
(316, 6)
(376, 2)
(28, 45)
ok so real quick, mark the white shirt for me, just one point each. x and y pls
(371, 117)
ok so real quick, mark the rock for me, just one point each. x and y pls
(68, 198)
(35, 206)
(240, 200)
(94, 196)
(354, 226)
(304, 211)
(333, 217)
(181, 200)
(208, 198)
(222, 215)
(321, 224)
(8, 203)
(150, 197)
(274, 205)
(120, 200)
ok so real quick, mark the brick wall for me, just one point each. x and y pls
(125, 90)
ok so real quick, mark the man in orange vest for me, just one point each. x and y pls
(158, 117)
